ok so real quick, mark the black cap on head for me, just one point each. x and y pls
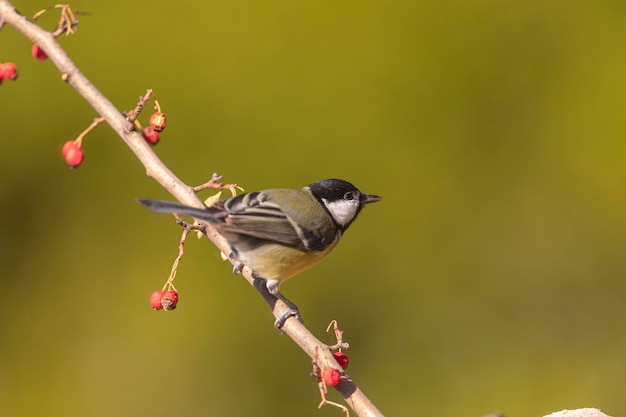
(332, 189)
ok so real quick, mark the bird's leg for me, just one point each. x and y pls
(238, 265)
(291, 311)
(272, 286)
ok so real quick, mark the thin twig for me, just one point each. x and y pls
(216, 182)
(132, 115)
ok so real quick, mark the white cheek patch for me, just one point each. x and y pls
(343, 211)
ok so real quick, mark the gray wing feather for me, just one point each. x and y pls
(246, 214)
(252, 215)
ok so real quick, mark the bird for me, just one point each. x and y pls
(279, 232)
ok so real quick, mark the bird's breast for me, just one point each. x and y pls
(275, 261)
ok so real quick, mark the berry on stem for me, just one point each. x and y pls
(72, 153)
(158, 121)
(170, 299)
(341, 359)
(156, 300)
(331, 376)
(151, 135)
(38, 53)
(8, 70)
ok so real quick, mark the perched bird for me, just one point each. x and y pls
(280, 232)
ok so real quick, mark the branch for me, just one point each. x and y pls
(158, 171)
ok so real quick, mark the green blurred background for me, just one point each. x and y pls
(490, 277)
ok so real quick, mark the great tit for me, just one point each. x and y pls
(280, 232)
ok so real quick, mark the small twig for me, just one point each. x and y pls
(339, 336)
(67, 19)
(42, 11)
(65, 28)
(169, 284)
(132, 115)
(215, 182)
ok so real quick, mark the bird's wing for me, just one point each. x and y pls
(252, 215)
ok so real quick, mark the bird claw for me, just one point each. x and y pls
(237, 268)
(291, 312)
(238, 265)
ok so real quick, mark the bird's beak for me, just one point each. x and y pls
(369, 198)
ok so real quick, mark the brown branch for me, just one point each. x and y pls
(157, 170)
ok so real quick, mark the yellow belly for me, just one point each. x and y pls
(277, 262)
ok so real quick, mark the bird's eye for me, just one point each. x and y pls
(348, 196)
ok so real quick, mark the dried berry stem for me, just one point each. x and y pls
(338, 335)
(325, 401)
(96, 122)
(157, 106)
(215, 182)
(169, 284)
(67, 20)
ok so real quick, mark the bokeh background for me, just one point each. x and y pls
(491, 277)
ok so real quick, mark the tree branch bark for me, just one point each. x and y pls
(157, 170)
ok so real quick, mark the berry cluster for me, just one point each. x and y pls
(158, 122)
(164, 300)
(72, 150)
(329, 375)
(332, 376)
(73, 153)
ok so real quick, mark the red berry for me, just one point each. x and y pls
(156, 300)
(341, 359)
(8, 70)
(158, 121)
(170, 299)
(38, 53)
(67, 146)
(151, 135)
(331, 376)
(72, 153)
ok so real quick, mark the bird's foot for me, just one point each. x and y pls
(280, 320)
(238, 265)
(292, 311)
(237, 268)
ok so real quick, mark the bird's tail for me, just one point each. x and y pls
(158, 206)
